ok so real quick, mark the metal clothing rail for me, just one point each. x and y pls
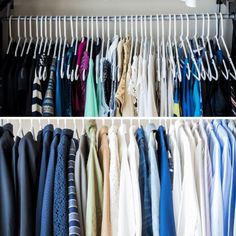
(165, 17)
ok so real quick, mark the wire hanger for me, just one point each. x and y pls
(203, 72)
(210, 50)
(179, 75)
(10, 35)
(64, 49)
(30, 33)
(198, 77)
(25, 37)
(226, 49)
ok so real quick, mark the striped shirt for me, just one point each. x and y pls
(37, 97)
(74, 225)
(48, 101)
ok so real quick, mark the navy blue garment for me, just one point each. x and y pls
(7, 213)
(143, 183)
(47, 139)
(27, 184)
(60, 205)
(166, 213)
(15, 155)
(47, 206)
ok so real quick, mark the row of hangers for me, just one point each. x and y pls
(165, 122)
(43, 40)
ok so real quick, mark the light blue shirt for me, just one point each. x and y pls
(216, 199)
(226, 168)
(153, 178)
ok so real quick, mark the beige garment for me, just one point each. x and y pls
(121, 91)
(120, 57)
(128, 108)
(95, 191)
(104, 159)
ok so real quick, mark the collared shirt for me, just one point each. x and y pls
(226, 168)
(134, 170)
(154, 180)
(207, 166)
(177, 176)
(114, 178)
(126, 221)
(216, 202)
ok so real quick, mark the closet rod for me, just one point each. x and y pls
(123, 18)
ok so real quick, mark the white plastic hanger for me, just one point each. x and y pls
(56, 37)
(136, 36)
(132, 41)
(226, 49)
(198, 77)
(170, 52)
(203, 72)
(64, 49)
(91, 50)
(19, 36)
(163, 42)
(32, 128)
(224, 72)
(87, 45)
(208, 72)
(20, 132)
(41, 35)
(10, 35)
(139, 123)
(158, 50)
(120, 31)
(64, 123)
(37, 36)
(45, 46)
(145, 37)
(114, 26)
(75, 133)
(68, 74)
(126, 27)
(30, 34)
(183, 45)
(103, 37)
(97, 32)
(72, 76)
(210, 50)
(25, 36)
(151, 36)
(82, 37)
(179, 75)
(49, 48)
(83, 128)
(108, 36)
(61, 40)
